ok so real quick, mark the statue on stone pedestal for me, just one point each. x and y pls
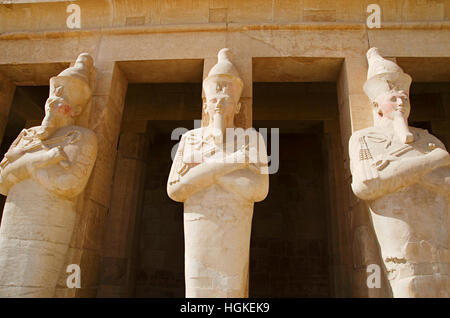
(403, 174)
(43, 172)
(219, 174)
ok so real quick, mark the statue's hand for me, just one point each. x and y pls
(49, 157)
(57, 153)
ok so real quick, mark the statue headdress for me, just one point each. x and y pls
(224, 70)
(74, 82)
(383, 75)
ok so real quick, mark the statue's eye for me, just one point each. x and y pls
(393, 98)
(213, 100)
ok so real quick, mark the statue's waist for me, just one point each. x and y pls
(30, 190)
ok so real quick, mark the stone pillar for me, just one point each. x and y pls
(7, 90)
(354, 105)
(104, 119)
(122, 235)
(355, 113)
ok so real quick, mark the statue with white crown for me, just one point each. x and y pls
(43, 172)
(219, 173)
(403, 175)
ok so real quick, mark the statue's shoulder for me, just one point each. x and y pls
(194, 135)
(369, 131)
(420, 131)
(370, 139)
(195, 132)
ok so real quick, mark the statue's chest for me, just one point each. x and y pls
(199, 150)
(386, 144)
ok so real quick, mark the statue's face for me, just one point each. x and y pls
(57, 113)
(220, 99)
(393, 101)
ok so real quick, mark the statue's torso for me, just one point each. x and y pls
(214, 200)
(78, 144)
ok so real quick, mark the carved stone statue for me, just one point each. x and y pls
(403, 174)
(42, 173)
(219, 174)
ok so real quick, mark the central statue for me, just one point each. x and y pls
(219, 173)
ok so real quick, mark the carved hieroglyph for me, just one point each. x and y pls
(403, 173)
(42, 173)
(219, 177)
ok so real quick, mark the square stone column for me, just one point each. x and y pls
(122, 237)
(354, 105)
(104, 118)
(355, 113)
(7, 89)
(244, 67)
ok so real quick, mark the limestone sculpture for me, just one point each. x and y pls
(403, 174)
(218, 175)
(43, 172)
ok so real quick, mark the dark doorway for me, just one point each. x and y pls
(160, 256)
(290, 243)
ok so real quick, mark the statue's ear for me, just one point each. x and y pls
(238, 108)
